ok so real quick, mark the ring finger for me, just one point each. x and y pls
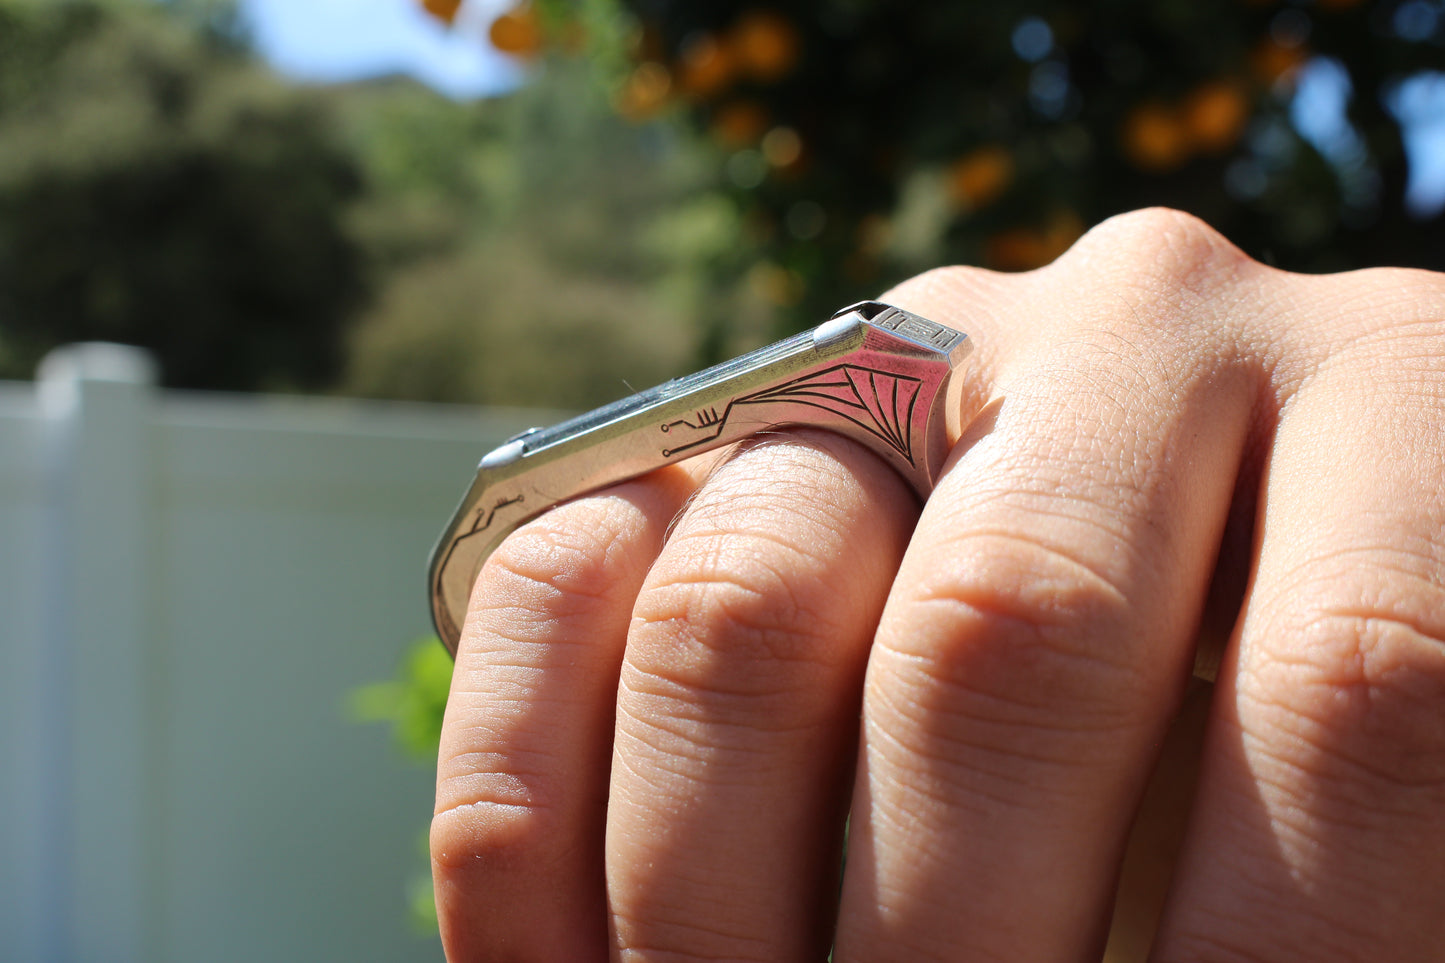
(1039, 635)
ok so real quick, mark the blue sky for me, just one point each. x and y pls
(340, 40)
(1420, 105)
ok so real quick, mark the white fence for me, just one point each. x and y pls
(189, 587)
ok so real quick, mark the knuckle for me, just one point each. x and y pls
(757, 576)
(682, 938)
(805, 481)
(553, 567)
(764, 595)
(1017, 579)
(489, 835)
(735, 595)
(1387, 314)
(1406, 286)
(750, 625)
(1161, 244)
(1022, 633)
(1352, 691)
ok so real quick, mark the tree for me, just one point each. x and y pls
(866, 139)
(157, 188)
(540, 249)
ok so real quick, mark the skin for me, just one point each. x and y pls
(670, 695)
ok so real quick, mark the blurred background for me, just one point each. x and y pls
(210, 549)
(529, 204)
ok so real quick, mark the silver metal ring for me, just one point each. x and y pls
(874, 373)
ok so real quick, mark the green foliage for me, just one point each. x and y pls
(541, 250)
(413, 702)
(867, 140)
(156, 188)
(421, 900)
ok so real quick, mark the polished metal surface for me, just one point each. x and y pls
(875, 373)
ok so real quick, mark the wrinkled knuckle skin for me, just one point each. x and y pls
(552, 567)
(488, 837)
(759, 593)
(1025, 634)
(739, 602)
(640, 939)
(1356, 694)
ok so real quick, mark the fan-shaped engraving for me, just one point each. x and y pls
(879, 402)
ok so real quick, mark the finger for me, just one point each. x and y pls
(1157, 833)
(1040, 630)
(1318, 833)
(522, 773)
(737, 709)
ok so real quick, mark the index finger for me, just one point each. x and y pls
(522, 774)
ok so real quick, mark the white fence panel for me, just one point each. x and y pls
(189, 587)
(29, 762)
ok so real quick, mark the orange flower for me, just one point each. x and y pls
(980, 177)
(775, 284)
(874, 233)
(1274, 61)
(1155, 138)
(1215, 115)
(443, 10)
(859, 268)
(1023, 249)
(782, 147)
(705, 67)
(645, 91)
(516, 32)
(739, 123)
(766, 45)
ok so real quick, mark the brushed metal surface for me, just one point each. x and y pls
(874, 373)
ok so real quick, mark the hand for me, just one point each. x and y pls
(654, 734)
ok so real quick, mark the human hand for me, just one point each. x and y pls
(649, 752)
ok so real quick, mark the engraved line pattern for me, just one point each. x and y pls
(482, 526)
(879, 402)
(706, 418)
(920, 329)
(482, 522)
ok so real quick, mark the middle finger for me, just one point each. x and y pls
(737, 708)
